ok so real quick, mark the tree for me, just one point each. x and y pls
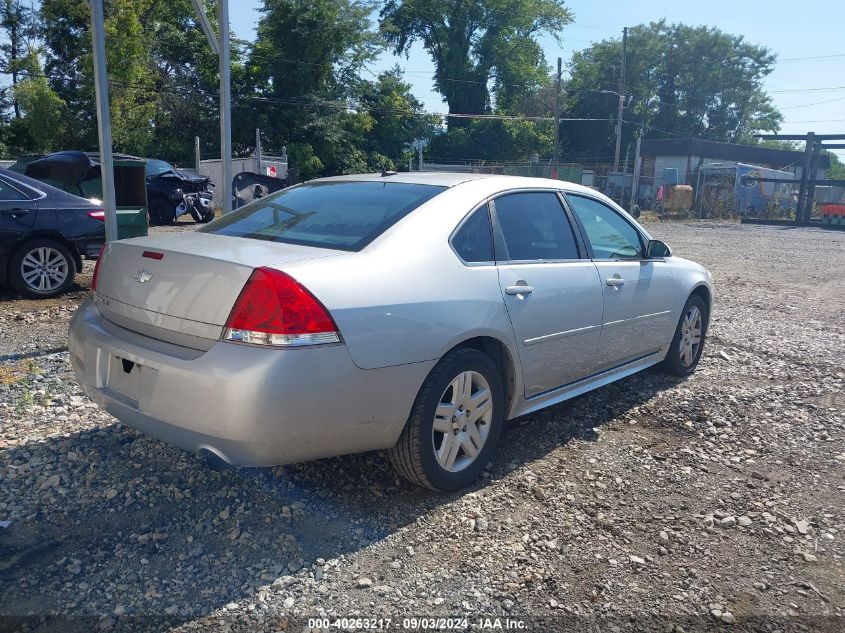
(396, 120)
(474, 43)
(302, 69)
(39, 123)
(17, 22)
(684, 81)
(837, 167)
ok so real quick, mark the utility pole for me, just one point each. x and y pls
(621, 100)
(101, 92)
(638, 167)
(557, 114)
(420, 148)
(225, 105)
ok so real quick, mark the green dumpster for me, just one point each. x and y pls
(79, 173)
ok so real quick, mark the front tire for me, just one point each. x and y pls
(42, 269)
(455, 423)
(161, 212)
(688, 343)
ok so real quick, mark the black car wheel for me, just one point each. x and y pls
(42, 268)
(162, 212)
(455, 423)
(688, 342)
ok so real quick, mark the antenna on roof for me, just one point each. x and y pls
(385, 172)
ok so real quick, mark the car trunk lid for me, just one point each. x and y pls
(181, 287)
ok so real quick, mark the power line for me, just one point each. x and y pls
(809, 89)
(805, 59)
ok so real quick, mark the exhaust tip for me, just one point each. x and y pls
(212, 460)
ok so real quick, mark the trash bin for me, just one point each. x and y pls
(79, 173)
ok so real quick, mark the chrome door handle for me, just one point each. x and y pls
(519, 289)
(616, 280)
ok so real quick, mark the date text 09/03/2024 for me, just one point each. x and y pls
(418, 624)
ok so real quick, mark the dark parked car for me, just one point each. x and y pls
(44, 235)
(172, 193)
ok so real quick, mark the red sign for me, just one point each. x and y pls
(271, 171)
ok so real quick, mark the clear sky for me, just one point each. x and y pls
(809, 92)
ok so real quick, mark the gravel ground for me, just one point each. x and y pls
(650, 504)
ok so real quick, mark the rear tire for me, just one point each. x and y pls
(455, 423)
(688, 343)
(42, 268)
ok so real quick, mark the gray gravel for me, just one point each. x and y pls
(650, 504)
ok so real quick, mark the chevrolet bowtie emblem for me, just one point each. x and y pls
(143, 276)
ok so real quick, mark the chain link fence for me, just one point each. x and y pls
(714, 191)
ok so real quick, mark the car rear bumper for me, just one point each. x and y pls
(247, 405)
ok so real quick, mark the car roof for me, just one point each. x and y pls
(494, 182)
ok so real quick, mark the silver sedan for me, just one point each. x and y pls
(411, 312)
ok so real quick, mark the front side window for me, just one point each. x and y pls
(473, 241)
(345, 215)
(609, 234)
(535, 227)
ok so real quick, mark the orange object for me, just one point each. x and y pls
(833, 210)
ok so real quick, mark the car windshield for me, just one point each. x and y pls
(342, 215)
(157, 167)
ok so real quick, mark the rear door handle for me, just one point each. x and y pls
(15, 213)
(616, 280)
(519, 289)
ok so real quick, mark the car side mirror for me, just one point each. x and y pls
(655, 249)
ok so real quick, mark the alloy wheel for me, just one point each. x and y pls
(44, 269)
(690, 341)
(462, 421)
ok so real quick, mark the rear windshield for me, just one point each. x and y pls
(341, 215)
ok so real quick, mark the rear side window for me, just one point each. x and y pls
(342, 215)
(473, 241)
(7, 192)
(535, 227)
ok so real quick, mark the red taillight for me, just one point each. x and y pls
(275, 309)
(98, 215)
(97, 267)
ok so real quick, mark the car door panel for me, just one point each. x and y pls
(17, 218)
(638, 293)
(557, 326)
(637, 312)
(552, 293)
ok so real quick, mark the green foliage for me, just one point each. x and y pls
(395, 119)
(837, 167)
(475, 42)
(40, 127)
(300, 72)
(696, 82)
(494, 140)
